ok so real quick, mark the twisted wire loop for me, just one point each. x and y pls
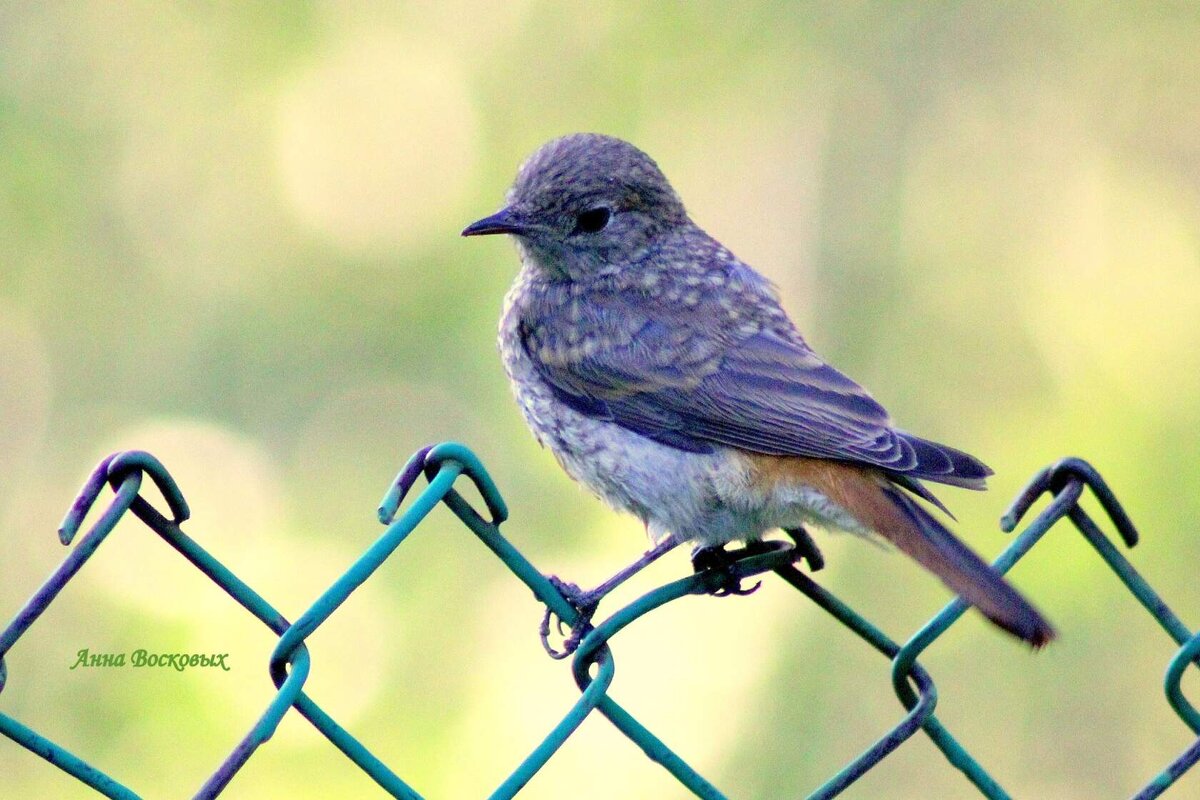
(593, 664)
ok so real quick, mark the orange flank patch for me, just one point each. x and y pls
(859, 490)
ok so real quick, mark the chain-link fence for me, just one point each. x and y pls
(593, 661)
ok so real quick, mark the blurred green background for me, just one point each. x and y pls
(228, 235)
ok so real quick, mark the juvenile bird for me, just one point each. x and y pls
(663, 374)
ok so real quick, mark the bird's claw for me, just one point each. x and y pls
(715, 562)
(738, 589)
(584, 604)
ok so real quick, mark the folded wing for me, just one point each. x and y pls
(687, 381)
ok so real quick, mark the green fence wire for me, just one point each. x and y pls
(593, 663)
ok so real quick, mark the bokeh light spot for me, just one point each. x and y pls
(377, 142)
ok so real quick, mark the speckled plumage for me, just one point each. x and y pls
(664, 375)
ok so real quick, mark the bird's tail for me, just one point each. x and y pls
(877, 502)
(919, 534)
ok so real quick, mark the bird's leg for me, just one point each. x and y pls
(585, 602)
(592, 599)
(806, 548)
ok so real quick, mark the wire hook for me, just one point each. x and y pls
(1054, 479)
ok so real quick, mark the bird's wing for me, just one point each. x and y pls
(692, 380)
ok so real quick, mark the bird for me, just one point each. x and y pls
(665, 376)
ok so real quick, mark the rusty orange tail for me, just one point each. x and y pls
(892, 513)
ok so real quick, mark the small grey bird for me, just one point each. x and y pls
(663, 374)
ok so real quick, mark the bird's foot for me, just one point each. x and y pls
(584, 603)
(806, 548)
(717, 562)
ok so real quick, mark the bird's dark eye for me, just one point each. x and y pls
(593, 220)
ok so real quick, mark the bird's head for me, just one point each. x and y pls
(585, 205)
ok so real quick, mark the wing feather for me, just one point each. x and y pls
(699, 379)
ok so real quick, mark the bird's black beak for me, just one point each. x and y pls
(503, 221)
